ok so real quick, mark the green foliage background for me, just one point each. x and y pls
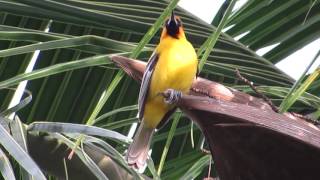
(73, 68)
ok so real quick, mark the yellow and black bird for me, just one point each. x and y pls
(173, 65)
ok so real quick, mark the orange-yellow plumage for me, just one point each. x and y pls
(175, 69)
(172, 66)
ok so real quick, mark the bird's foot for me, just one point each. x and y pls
(171, 96)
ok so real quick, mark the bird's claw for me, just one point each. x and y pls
(171, 96)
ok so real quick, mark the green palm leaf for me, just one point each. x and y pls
(73, 67)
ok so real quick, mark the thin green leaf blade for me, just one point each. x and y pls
(19, 134)
(112, 153)
(77, 128)
(206, 48)
(18, 106)
(115, 111)
(297, 90)
(19, 154)
(152, 169)
(168, 141)
(83, 156)
(304, 86)
(5, 167)
(58, 68)
(197, 168)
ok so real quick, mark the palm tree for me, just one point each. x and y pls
(74, 81)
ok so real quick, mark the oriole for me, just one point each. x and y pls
(173, 65)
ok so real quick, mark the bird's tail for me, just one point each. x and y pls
(138, 149)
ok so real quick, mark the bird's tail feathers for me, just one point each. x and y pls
(138, 150)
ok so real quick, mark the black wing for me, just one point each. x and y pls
(145, 83)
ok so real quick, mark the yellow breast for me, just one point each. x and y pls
(176, 66)
(176, 69)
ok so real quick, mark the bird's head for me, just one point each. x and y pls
(173, 27)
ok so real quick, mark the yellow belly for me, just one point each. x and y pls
(176, 69)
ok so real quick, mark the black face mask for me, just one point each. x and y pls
(172, 26)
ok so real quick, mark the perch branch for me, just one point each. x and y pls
(200, 87)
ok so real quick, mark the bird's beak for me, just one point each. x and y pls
(173, 19)
(172, 26)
